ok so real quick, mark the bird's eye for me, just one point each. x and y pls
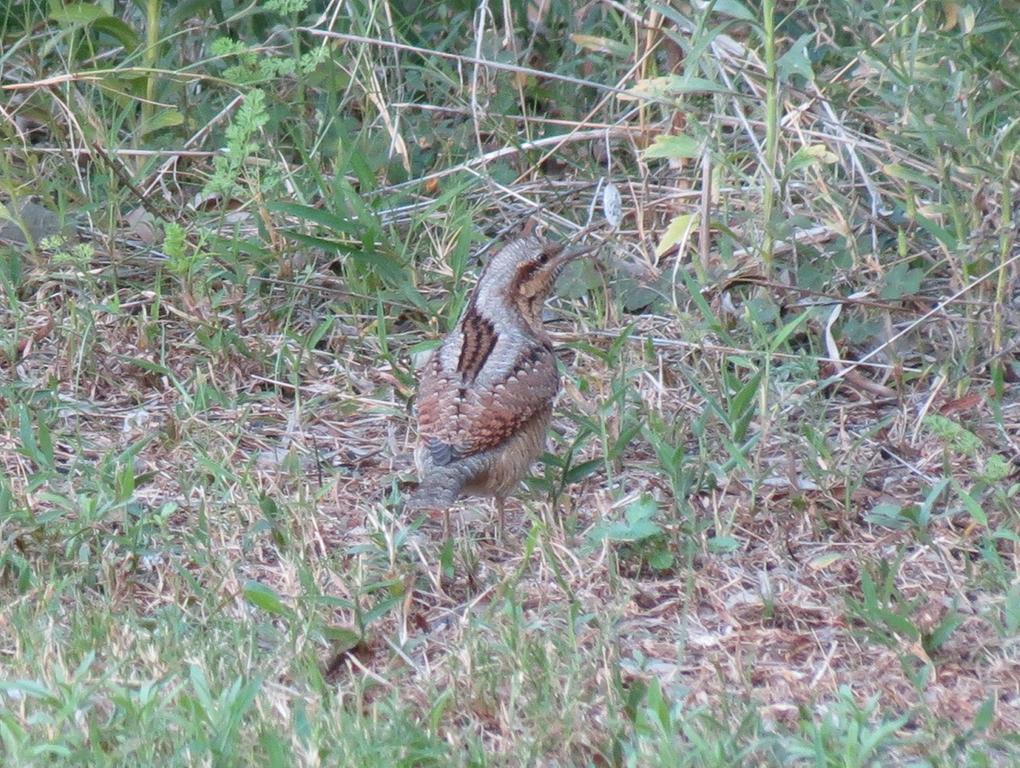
(543, 257)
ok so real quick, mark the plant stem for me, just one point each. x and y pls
(152, 13)
(1007, 236)
(771, 129)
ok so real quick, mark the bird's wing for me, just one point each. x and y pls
(457, 418)
(439, 409)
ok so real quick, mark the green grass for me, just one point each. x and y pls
(778, 520)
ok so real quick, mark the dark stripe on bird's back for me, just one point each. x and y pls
(479, 339)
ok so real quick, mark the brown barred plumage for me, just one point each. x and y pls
(485, 396)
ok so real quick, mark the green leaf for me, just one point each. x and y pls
(740, 404)
(996, 469)
(379, 610)
(615, 531)
(264, 597)
(971, 504)
(342, 638)
(165, 118)
(925, 510)
(1011, 610)
(76, 13)
(330, 246)
(386, 267)
(676, 146)
(887, 515)
(94, 16)
(984, 715)
(734, 9)
(723, 544)
(942, 632)
(805, 157)
(902, 280)
(672, 85)
(642, 509)
(640, 530)
(637, 525)
(786, 330)
(200, 685)
(941, 234)
(626, 435)
(899, 624)
(796, 60)
(438, 710)
(661, 559)
(823, 561)
(148, 366)
(959, 438)
(897, 171)
(29, 688)
(679, 229)
(602, 45)
(318, 216)
(118, 30)
(580, 471)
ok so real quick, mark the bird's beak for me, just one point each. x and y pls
(567, 255)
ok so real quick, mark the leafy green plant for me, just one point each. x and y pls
(846, 734)
(987, 489)
(241, 134)
(637, 536)
(662, 732)
(884, 612)
(918, 516)
(888, 617)
(685, 476)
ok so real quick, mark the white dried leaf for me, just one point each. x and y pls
(612, 205)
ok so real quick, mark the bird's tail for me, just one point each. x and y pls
(440, 486)
(434, 494)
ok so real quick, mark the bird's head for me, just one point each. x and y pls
(522, 275)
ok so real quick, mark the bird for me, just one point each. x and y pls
(485, 395)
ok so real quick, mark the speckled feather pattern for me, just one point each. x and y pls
(485, 396)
